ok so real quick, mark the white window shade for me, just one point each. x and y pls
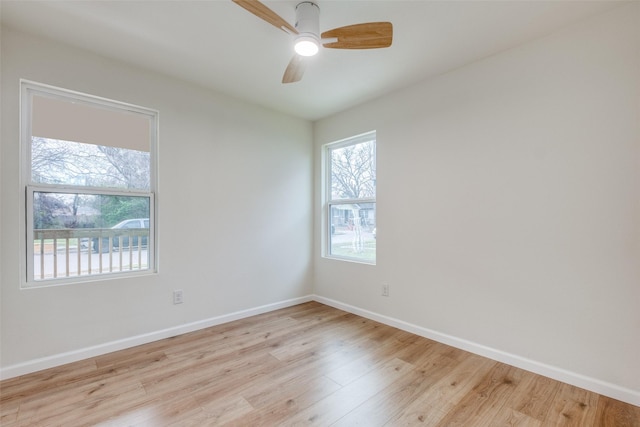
(61, 119)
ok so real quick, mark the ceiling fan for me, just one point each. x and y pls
(370, 35)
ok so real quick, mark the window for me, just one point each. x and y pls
(351, 198)
(90, 178)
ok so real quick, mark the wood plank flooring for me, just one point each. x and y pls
(305, 365)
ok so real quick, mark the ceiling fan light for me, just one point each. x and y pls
(306, 46)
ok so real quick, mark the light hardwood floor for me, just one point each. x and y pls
(308, 364)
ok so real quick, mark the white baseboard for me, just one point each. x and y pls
(601, 387)
(98, 350)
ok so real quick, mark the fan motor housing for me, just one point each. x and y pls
(308, 19)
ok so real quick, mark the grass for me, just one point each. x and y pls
(345, 249)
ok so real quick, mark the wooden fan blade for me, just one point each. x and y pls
(295, 69)
(370, 35)
(263, 12)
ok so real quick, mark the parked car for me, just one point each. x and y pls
(127, 223)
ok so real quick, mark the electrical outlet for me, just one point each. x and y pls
(385, 290)
(177, 296)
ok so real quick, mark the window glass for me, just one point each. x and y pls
(353, 171)
(55, 210)
(353, 228)
(77, 234)
(351, 199)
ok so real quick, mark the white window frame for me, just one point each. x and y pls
(328, 202)
(27, 90)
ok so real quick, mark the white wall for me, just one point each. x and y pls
(509, 205)
(235, 221)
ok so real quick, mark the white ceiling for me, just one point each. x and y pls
(219, 45)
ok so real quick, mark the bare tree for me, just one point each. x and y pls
(63, 162)
(128, 167)
(353, 171)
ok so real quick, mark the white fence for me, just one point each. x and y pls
(83, 252)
